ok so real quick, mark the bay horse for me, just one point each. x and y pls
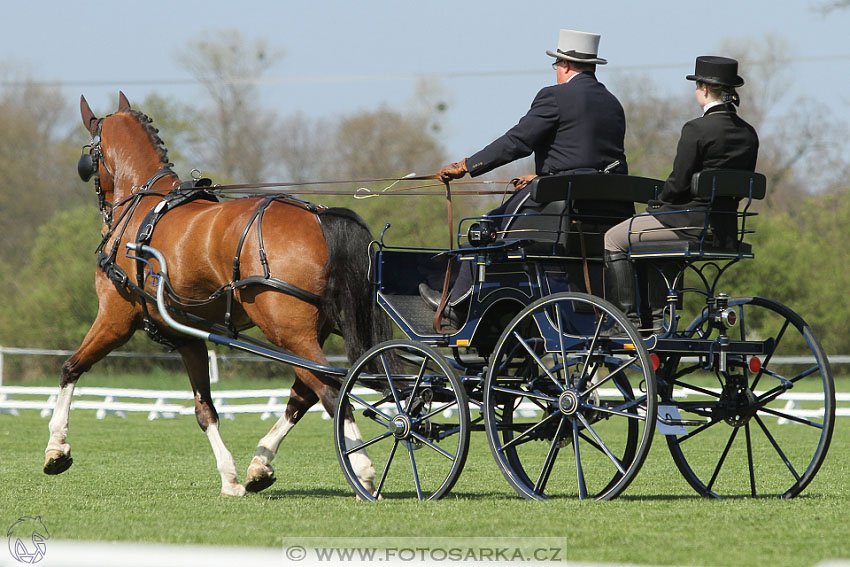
(321, 254)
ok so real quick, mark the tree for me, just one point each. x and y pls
(37, 162)
(235, 129)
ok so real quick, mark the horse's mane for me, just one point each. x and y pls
(153, 135)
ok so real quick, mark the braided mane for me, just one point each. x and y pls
(153, 135)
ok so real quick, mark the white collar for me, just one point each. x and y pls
(711, 104)
(573, 77)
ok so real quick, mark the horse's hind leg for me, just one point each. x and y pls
(103, 337)
(194, 355)
(260, 472)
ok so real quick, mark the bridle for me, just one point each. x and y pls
(89, 166)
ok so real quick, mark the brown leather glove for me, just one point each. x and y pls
(520, 182)
(453, 170)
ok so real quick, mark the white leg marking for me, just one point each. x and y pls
(58, 425)
(269, 444)
(226, 466)
(360, 461)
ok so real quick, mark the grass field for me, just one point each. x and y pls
(135, 480)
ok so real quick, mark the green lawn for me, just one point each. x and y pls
(135, 480)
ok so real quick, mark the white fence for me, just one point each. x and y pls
(266, 402)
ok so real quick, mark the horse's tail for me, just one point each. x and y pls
(353, 307)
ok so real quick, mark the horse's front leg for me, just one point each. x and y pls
(195, 359)
(106, 334)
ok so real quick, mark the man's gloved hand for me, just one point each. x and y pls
(453, 170)
(520, 182)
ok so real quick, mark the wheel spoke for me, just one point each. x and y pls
(696, 431)
(369, 406)
(538, 361)
(367, 443)
(766, 363)
(540, 486)
(790, 417)
(620, 413)
(777, 447)
(432, 445)
(415, 470)
(750, 460)
(525, 394)
(416, 383)
(386, 468)
(610, 376)
(601, 443)
(592, 346)
(437, 411)
(390, 382)
(527, 432)
(723, 457)
(582, 486)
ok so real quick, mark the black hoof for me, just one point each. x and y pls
(58, 465)
(259, 484)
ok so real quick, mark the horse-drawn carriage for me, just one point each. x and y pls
(569, 391)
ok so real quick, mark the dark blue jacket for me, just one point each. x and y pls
(577, 125)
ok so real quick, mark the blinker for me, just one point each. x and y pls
(86, 167)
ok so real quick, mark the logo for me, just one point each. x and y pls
(28, 539)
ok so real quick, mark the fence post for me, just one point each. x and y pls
(1, 365)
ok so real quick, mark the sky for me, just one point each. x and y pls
(486, 57)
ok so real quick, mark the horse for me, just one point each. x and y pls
(318, 256)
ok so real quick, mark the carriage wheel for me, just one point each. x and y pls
(570, 377)
(765, 430)
(413, 414)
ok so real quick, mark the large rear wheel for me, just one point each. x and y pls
(763, 428)
(566, 399)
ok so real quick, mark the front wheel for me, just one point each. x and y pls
(763, 427)
(413, 418)
(570, 377)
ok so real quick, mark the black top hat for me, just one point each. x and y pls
(715, 70)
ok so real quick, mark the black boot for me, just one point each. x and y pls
(620, 284)
(656, 292)
(455, 315)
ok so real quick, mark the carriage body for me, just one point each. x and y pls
(548, 367)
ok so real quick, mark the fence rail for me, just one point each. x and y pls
(266, 402)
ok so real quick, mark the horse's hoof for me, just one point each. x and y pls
(236, 490)
(259, 483)
(58, 464)
(259, 477)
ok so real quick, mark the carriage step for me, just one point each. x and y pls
(670, 422)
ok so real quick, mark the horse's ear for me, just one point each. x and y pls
(89, 119)
(123, 103)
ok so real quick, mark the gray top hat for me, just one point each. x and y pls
(716, 70)
(577, 46)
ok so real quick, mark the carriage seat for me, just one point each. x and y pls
(572, 211)
(716, 186)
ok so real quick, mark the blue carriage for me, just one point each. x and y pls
(569, 391)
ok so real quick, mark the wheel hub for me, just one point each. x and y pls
(400, 426)
(568, 402)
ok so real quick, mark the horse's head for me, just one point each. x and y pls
(124, 151)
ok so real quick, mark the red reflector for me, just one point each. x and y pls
(656, 361)
(755, 364)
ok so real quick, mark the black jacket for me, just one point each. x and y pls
(578, 125)
(719, 139)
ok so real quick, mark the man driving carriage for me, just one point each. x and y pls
(574, 126)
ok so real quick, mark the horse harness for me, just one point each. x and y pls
(186, 192)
